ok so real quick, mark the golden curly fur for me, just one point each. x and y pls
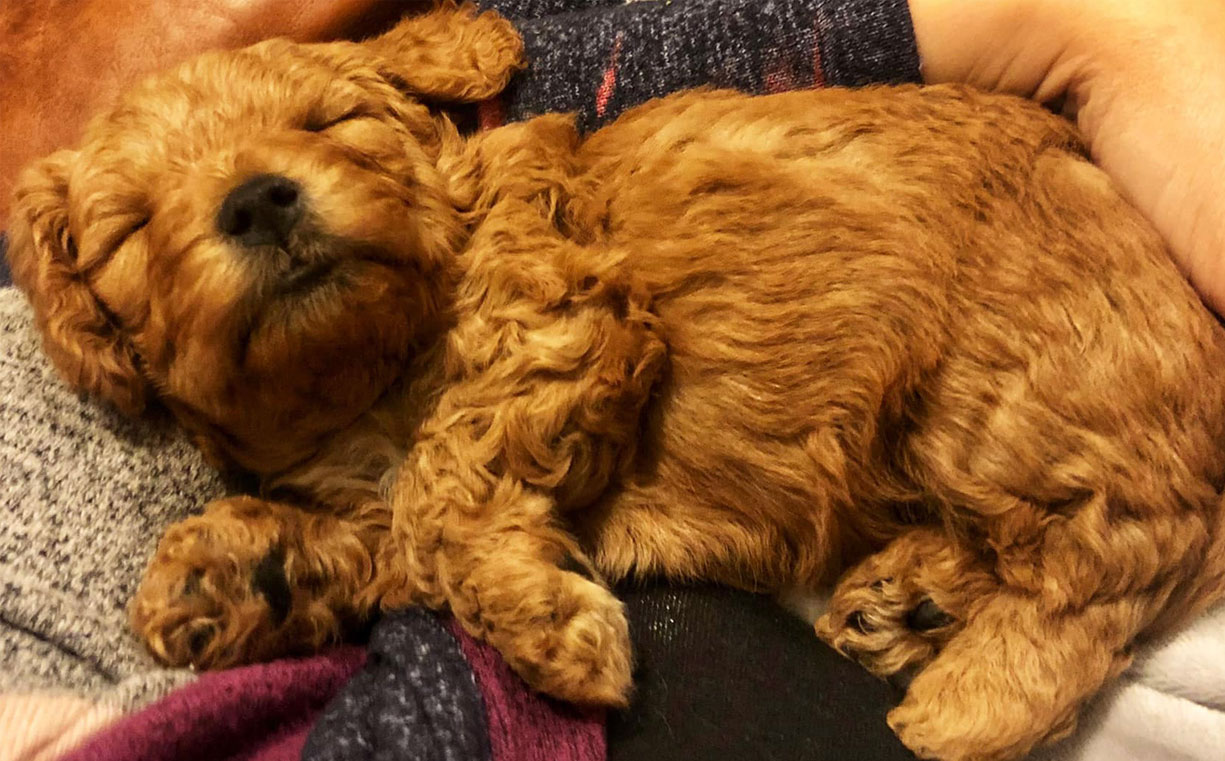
(907, 332)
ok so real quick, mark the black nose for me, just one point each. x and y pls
(262, 211)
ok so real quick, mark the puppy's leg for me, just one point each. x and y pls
(477, 507)
(895, 610)
(1016, 675)
(1076, 590)
(250, 580)
(554, 366)
(514, 579)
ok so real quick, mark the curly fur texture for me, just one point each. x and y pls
(907, 332)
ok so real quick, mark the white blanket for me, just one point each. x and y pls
(1169, 706)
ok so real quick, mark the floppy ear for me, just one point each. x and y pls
(78, 334)
(451, 54)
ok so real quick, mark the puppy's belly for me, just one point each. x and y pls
(878, 313)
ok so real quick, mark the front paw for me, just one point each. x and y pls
(896, 609)
(886, 625)
(227, 588)
(199, 604)
(570, 640)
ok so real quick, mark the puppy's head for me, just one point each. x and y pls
(259, 238)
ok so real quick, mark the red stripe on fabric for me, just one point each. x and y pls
(779, 77)
(490, 114)
(609, 82)
(818, 71)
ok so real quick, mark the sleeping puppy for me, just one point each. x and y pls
(905, 340)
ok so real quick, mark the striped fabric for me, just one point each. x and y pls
(598, 60)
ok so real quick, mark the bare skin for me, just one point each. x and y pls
(1144, 80)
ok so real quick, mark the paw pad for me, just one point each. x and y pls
(268, 579)
(927, 616)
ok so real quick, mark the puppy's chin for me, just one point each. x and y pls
(290, 279)
(320, 341)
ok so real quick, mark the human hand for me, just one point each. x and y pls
(1144, 80)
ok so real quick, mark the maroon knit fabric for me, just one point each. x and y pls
(264, 712)
(254, 713)
(524, 726)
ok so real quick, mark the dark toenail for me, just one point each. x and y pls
(879, 584)
(269, 580)
(572, 564)
(858, 620)
(927, 616)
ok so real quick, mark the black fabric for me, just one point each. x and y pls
(866, 42)
(599, 60)
(416, 698)
(523, 10)
(730, 676)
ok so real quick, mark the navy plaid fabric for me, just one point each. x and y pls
(598, 60)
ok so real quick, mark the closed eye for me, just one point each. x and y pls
(136, 227)
(140, 225)
(323, 124)
(127, 232)
(111, 244)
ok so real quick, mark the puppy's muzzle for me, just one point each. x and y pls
(262, 211)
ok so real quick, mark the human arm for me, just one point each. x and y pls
(1144, 80)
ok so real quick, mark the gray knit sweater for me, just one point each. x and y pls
(85, 495)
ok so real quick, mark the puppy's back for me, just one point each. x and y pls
(927, 294)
